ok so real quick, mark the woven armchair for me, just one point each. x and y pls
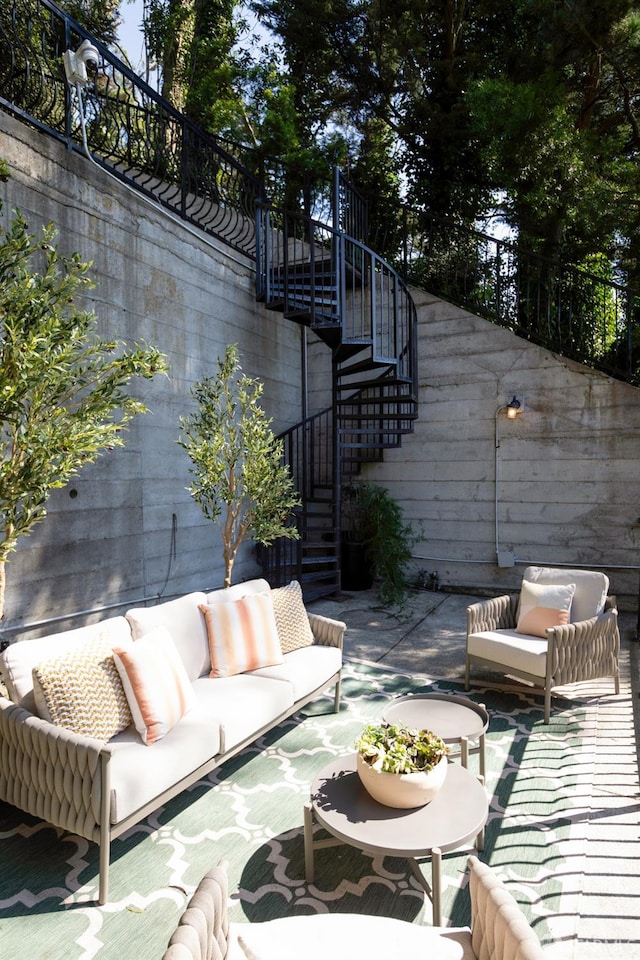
(499, 930)
(586, 648)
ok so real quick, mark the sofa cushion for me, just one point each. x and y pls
(243, 705)
(292, 621)
(305, 669)
(543, 605)
(82, 692)
(342, 936)
(508, 648)
(591, 588)
(242, 634)
(183, 620)
(237, 590)
(156, 684)
(19, 659)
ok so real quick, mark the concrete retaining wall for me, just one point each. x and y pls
(127, 528)
(563, 485)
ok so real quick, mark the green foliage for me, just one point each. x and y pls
(396, 749)
(372, 517)
(240, 480)
(63, 390)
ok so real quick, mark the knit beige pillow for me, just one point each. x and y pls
(291, 617)
(82, 692)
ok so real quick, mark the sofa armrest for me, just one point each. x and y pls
(327, 632)
(586, 650)
(498, 613)
(51, 773)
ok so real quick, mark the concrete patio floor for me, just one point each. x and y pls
(428, 637)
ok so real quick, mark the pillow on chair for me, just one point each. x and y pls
(543, 605)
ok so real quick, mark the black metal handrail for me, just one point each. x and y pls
(123, 124)
(308, 266)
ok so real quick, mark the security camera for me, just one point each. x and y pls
(88, 54)
(76, 64)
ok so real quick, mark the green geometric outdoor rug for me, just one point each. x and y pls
(250, 813)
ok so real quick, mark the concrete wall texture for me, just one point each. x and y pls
(561, 487)
(127, 528)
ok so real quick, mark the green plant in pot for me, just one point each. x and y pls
(401, 767)
(376, 542)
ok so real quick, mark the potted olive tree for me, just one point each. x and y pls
(64, 396)
(240, 480)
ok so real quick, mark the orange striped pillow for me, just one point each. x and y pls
(242, 635)
(155, 682)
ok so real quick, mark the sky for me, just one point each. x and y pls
(130, 32)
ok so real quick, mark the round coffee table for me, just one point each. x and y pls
(455, 719)
(341, 805)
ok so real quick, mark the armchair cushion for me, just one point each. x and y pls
(590, 593)
(543, 605)
(512, 650)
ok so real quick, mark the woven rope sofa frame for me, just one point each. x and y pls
(575, 652)
(63, 778)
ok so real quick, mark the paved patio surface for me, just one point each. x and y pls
(428, 636)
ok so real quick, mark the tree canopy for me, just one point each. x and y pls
(526, 111)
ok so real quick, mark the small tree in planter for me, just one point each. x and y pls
(240, 479)
(63, 390)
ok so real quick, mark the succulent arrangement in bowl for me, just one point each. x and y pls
(400, 767)
(397, 749)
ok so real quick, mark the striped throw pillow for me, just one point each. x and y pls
(156, 684)
(292, 621)
(82, 692)
(242, 635)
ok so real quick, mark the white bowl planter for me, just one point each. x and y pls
(402, 790)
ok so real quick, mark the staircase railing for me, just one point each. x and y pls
(124, 125)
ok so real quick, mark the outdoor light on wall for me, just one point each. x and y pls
(76, 64)
(514, 407)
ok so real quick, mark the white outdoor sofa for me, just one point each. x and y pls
(97, 788)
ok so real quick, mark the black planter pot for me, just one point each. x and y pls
(356, 570)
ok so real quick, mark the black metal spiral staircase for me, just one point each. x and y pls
(328, 280)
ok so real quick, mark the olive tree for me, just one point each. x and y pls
(63, 389)
(240, 479)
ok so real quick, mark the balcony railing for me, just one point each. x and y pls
(123, 124)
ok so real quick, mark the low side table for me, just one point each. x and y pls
(341, 805)
(454, 719)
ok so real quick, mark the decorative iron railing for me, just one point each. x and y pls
(313, 269)
(576, 313)
(122, 124)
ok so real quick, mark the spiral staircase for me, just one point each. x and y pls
(327, 279)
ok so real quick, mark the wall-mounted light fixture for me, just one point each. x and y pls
(514, 407)
(76, 63)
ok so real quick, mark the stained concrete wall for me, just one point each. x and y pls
(568, 478)
(561, 487)
(127, 528)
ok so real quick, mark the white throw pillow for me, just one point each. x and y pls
(242, 635)
(155, 682)
(292, 621)
(543, 605)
